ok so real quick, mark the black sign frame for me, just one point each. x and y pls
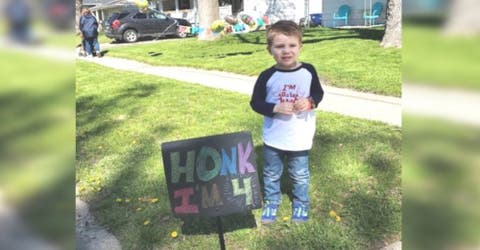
(213, 175)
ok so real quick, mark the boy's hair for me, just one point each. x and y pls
(286, 27)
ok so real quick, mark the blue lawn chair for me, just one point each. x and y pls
(342, 14)
(375, 13)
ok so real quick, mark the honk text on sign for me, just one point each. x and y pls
(212, 176)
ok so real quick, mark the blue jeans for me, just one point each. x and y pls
(91, 45)
(297, 169)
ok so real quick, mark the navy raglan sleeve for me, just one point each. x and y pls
(316, 90)
(259, 95)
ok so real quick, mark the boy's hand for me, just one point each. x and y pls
(302, 105)
(283, 108)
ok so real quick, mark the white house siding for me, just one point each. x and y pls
(356, 15)
(281, 9)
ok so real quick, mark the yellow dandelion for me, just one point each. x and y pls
(118, 200)
(154, 200)
(285, 218)
(139, 209)
(337, 218)
(146, 222)
(127, 200)
(134, 141)
(174, 234)
(82, 188)
(332, 214)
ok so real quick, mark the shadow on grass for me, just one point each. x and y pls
(373, 215)
(104, 52)
(371, 34)
(125, 180)
(253, 40)
(30, 120)
(237, 54)
(50, 210)
(153, 53)
(27, 119)
(139, 89)
(90, 108)
(315, 36)
(317, 40)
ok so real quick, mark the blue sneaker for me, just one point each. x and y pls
(299, 212)
(269, 213)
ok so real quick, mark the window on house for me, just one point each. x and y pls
(184, 4)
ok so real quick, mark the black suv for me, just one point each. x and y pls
(131, 24)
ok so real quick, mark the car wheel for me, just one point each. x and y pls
(130, 36)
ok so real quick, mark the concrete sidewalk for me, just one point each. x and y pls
(343, 101)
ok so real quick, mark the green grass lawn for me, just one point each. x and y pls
(433, 58)
(123, 117)
(343, 58)
(440, 183)
(36, 143)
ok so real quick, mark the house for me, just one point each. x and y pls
(102, 9)
(187, 9)
(358, 8)
(283, 9)
(297, 9)
(273, 9)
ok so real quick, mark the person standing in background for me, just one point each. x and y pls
(18, 15)
(89, 28)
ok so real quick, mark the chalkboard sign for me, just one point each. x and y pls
(212, 176)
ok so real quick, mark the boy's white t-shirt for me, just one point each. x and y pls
(289, 132)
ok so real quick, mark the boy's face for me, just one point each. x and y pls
(285, 51)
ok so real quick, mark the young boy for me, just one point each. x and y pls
(286, 94)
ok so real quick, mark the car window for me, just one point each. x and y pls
(113, 17)
(156, 15)
(122, 15)
(117, 15)
(140, 15)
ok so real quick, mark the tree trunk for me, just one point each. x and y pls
(393, 29)
(78, 13)
(463, 18)
(207, 13)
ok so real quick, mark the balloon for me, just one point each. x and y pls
(217, 26)
(231, 19)
(142, 4)
(248, 20)
(228, 29)
(260, 22)
(238, 27)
